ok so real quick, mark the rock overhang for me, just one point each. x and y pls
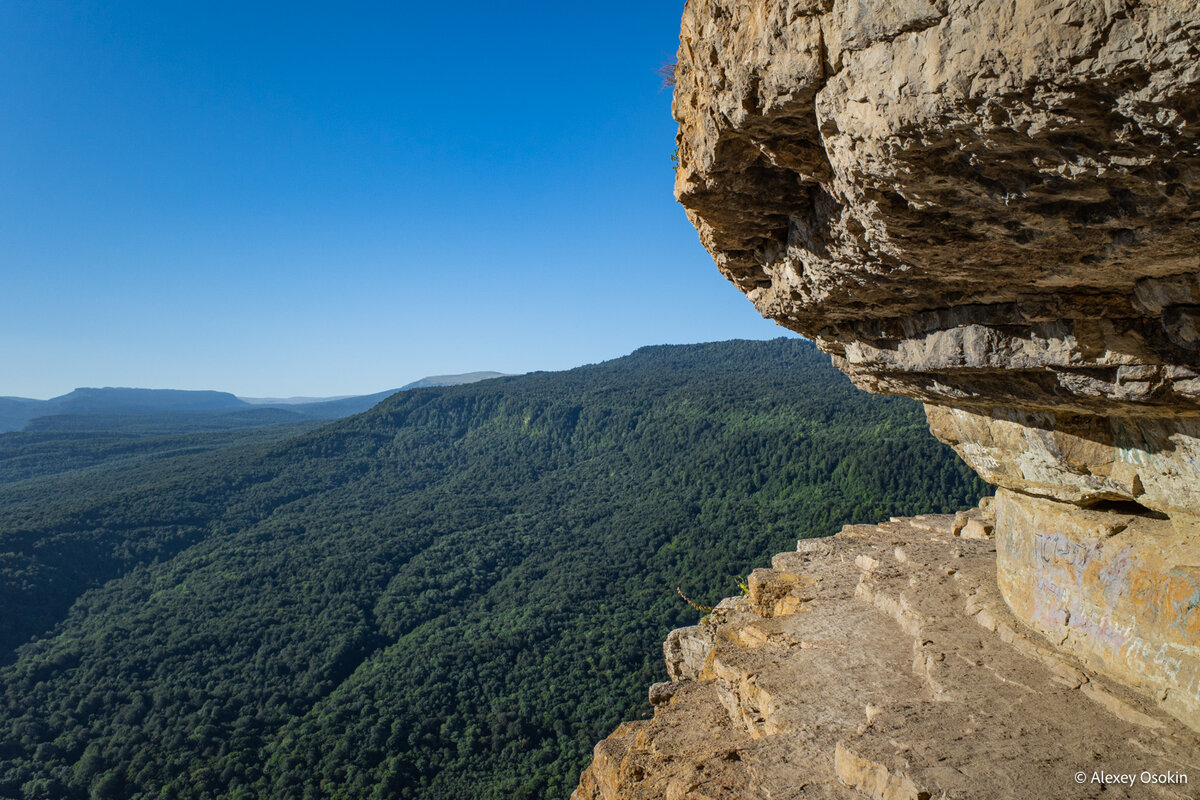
(990, 207)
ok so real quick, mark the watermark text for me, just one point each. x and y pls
(1143, 778)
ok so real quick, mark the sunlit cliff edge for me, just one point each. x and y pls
(990, 207)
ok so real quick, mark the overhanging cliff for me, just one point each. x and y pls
(992, 206)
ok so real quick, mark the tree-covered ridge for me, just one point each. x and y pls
(33, 454)
(452, 595)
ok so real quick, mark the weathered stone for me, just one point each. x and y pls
(872, 778)
(685, 650)
(987, 206)
(976, 529)
(662, 692)
(977, 204)
(689, 751)
(1084, 460)
(1120, 591)
(777, 593)
(930, 165)
(899, 679)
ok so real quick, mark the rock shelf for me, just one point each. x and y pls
(883, 662)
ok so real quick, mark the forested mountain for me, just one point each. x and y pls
(15, 412)
(452, 595)
(115, 400)
(32, 453)
(452, 380)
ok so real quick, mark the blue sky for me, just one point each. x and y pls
(335, 198)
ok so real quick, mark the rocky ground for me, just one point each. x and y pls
(882, 663)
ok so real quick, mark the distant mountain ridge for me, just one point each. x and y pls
(90, 408)
(422, 383)
(292, 401)
(15, 412)
(452, 380)
(122, 400)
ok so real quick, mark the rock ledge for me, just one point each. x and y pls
(883, 663)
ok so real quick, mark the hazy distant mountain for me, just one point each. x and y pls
(429, 380)
(140, 401)
(163, 411)
(15, 412)
(452, 380)
(336, 408)
(293, 401)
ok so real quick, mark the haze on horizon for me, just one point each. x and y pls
(312, 200)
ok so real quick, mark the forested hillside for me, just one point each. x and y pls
(452, 595)
(30, 454)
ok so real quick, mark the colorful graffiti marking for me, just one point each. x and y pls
(1105, 602)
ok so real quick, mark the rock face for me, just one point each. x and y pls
(957, 198)
(883, 663)
(993, 207)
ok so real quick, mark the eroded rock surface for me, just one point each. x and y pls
(883, 663)
(992, 206)
(942, 186)
(1121, 591)
(984, 205)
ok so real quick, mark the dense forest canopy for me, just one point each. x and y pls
(452, 595)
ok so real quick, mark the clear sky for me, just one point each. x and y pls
(338, 198)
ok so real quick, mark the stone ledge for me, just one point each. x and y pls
(897, 672)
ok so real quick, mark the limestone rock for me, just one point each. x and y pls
(872, 778)
(897, 678)
(989, 206)
(957, 197)
(1120, 591)
(1084, 460)
(661, 693)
